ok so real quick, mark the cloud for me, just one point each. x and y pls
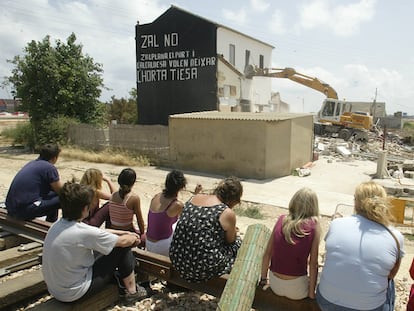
(385, 82)
(276, 24)
(239, 17)
(353, 82)
(105, 29)
(342, 20)
(259, 5)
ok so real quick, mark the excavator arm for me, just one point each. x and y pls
(290, 73)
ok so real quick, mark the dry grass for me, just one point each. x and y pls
(116, 157)
(250, 210)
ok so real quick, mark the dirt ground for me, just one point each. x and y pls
(146, 188)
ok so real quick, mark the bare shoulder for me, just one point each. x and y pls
(134, 199)
(175, 209)
(206, 200)
(228, 215)
(178, 204)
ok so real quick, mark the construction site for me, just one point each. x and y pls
(207, 107)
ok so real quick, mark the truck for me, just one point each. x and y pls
(341, 118)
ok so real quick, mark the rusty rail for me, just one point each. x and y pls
(161, 267)
(34, 230)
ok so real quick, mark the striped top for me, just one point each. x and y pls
(120, 215)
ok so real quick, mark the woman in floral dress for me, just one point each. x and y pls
(205, 241)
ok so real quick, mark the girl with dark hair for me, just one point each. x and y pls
(124, 204)
(205, 241)
(163, 213)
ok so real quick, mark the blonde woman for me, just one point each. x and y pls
(94, 178)
(361, 255)
(293, 247)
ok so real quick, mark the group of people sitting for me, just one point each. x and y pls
(200, 236)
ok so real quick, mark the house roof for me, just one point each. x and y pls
(173, 7)
(230, 66)
(246, 116)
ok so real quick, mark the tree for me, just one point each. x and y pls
(55, 81)
(123, 110)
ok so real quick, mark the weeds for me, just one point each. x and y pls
(115, 157)
(249, 210)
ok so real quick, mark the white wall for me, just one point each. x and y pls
(257, 91)
(225, 78)
(225, 37)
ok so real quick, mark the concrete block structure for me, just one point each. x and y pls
(248, 145)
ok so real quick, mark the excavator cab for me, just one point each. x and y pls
(337, 118)
(332, 110)
(340, 113)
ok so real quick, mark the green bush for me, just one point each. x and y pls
(22, 134)
(408, 125)
(54, 130)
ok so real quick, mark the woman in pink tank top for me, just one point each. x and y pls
(293, 247)
(124, 204)
(163, 213)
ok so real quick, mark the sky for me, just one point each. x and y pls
(362, 48)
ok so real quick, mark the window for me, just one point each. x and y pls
(261, 61)
(233, 91)
(232, 55)
(230, 91)
(247, 58)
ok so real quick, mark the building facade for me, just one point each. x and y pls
(186, 63)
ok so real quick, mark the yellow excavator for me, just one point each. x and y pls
(292, 74)
(335, 117)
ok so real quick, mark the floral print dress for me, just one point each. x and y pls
(198, 249)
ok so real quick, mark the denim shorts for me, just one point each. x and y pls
(325, 305)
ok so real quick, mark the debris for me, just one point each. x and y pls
(302, 172)
(344, 151)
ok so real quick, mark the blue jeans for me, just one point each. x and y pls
(325, 305)
(389, 303)
(48, 207)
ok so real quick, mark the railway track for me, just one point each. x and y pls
(29, 236)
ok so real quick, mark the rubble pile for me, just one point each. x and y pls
(397, 151)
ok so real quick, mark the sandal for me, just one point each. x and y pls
(140, 294)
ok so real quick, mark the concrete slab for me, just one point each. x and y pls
(334, 182)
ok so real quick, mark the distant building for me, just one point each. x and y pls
(3, 105)
(186, 63)
(9, 105)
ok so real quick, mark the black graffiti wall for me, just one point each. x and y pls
(176, 66)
